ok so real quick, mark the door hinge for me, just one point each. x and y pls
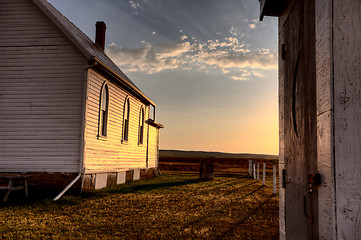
(285, 178)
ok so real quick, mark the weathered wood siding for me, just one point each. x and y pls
(110, 154)
(347, 102)
(41, 82)
(325, 156)
(281, 117)
(153, 147)
(298, 148)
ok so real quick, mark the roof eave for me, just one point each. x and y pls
(51, 13)
(273, 8)
(154, 123)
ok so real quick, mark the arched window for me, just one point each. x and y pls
(126, 119)
(141, 125)
(104, 102)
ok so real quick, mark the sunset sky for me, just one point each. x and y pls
(209, 65)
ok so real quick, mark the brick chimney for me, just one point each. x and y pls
(100, 34)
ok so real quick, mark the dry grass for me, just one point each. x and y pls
(166, 207)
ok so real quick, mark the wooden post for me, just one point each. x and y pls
(254, 171)
(264, 174)
(274, 180)
(250, 167)
(257, 171)
(206, 169)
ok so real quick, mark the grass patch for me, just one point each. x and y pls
(165, 207)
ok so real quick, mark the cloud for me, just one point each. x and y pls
(183, 37)
(226, 55)
(240, 60)
(150, 58)
(134, 4)
(239, 78)
(257, 74)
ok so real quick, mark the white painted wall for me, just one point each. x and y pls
(41, 82)
(110, 153)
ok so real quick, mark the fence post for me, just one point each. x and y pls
(274, 180)
(264, 174)
(250, 167)
(257, 171)
(254, 171)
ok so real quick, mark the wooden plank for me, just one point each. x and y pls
(327, 229)
(347, 98)
(298, 144)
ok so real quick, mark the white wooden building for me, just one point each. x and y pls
(66, 108)
(320, 117)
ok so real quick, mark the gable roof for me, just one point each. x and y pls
(87, 46)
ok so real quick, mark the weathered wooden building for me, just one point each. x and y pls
(66, 108)
(320, 117)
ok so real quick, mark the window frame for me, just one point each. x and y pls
(126, 120)
(141, 126)
(103, 111)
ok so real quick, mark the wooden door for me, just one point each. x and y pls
(297, 60)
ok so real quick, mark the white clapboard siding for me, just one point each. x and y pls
(41, 93)
(110, 154)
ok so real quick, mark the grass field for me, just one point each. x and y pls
(171, 206)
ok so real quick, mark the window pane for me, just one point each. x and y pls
(126, 120)
(104, 98)
(126, 109)
(141, 122)
(141, 135)
(152, 112)
(126, 124)
(104, 123)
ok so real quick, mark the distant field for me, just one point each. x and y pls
(195, 154)
(172, 206)
(224, 163)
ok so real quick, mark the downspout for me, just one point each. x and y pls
(67, 187)
(81, 170)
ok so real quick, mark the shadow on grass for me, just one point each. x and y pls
(230, 231)
(215, 212)
(144, 187)
(73, 196)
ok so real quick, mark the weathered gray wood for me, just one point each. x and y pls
(298, 115)
(326, 213)
(347, 111)
(264, 174)
(274, 179)
(254, 171)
